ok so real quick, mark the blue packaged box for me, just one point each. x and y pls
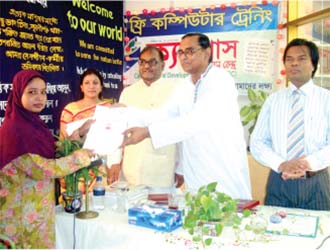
(157, 218)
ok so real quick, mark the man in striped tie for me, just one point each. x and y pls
(292, 135)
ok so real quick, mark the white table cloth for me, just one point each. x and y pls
(110, 230)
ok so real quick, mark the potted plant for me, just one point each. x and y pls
(208, 211)
(72, 195)
(249, 113)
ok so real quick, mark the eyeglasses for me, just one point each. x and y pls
(188, 51)
(151, 63)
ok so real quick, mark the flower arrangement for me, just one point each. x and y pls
(65, 147)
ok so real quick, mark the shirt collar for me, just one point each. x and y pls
(153, 84)
(306, 89)
(207, 70)
(202, 75)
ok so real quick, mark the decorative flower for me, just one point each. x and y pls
(10, 230)
(44, 201)
(31, 216)
(4, 192)
(39, 185)
(9, 213)
(11, 171)
(49, 172)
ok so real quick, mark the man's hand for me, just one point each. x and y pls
(179, 180)
(294, 169)
(113, 173)
(134, 135)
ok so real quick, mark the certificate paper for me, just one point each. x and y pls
(72, 126)
(295, 225)
(106, 133)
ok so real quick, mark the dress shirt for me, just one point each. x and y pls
(205, 119)
(269, 139)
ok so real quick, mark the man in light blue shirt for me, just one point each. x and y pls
(300, 180)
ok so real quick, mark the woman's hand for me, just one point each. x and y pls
(83, 130)
(118, 105)
(80, 133)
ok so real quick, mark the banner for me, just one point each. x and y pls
(61, 39)
(243, 41)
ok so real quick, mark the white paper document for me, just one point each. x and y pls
(72, 126)
(106, 133)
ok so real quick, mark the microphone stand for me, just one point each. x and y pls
(87, 214)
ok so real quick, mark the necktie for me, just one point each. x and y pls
(296, 127)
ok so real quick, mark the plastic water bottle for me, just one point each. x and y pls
(98, 194)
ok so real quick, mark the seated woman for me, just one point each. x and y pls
(91, 84)
(27, 167)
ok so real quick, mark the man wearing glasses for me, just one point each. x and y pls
(142, 164)
(203, 115)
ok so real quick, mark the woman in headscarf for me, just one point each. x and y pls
(27, 167)
(22, 130)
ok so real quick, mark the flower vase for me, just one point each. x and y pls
(72, 202)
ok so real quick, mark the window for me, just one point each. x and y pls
(307, 7)
(319, 32)
(310, 20)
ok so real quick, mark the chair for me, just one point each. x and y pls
(258, 177)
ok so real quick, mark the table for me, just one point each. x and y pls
(110, 230)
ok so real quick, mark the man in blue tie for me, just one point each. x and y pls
(292, 135)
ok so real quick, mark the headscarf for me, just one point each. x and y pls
(23, 131)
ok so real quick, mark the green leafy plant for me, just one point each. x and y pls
(208, 211)
(65, 147)
(249, 113)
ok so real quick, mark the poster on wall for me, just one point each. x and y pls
(61, 39)
(243, 41)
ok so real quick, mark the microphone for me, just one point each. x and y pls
(97, 162)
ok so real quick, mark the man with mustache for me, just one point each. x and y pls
(292, 134)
